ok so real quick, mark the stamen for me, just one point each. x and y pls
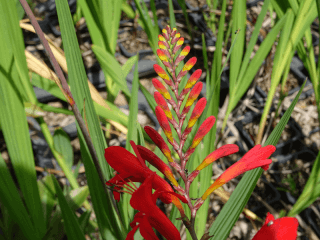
(134, 186)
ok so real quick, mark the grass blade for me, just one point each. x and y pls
(15, 128)
(10, 198)
(70, 222)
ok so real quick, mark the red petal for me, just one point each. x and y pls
(282, 228)
(146, 230)
(142, 198)
(132, 232)
(122, 160)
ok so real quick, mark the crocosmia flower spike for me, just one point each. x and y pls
(173, 105)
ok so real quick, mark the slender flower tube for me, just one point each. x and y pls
(162, 73)
(256, 157)
(163, 104)
(278, 229)
(202, 131)
(163, 121)
(197, 111)
(192, 97)
(215, 155)
(158, 163)
(192, 81)
(159, 141)
(161, 89)
(149, 215)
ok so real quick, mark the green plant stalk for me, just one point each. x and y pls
(61, 161)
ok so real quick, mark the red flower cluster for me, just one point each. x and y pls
(149, 214)
(133, 169)
(130, 168)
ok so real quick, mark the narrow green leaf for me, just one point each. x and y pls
(239, 198)
(47, 195)
(152, 103)
(110, 65)
(254, 65)
(10, 198)
(310, 192)
(127, 210)
(253, 39)
(14, 38)
(171, 15)
(239, 17)
(92, 14)
(127, 67)
(70, 221)
(114, 114)
(110, 16)
(133, 107)
(15, 128)
(84, 220)
(63, 145)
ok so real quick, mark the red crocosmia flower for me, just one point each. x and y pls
(256, 157)
(133, 169)
(279, 229)
(149, 215)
